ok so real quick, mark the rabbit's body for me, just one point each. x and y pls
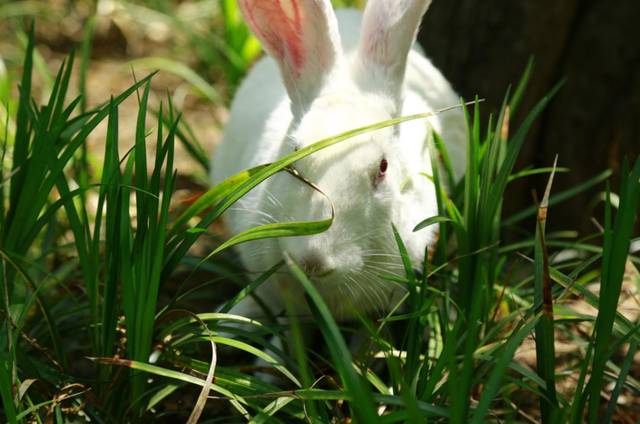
(270, 119)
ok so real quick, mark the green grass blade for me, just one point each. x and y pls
(518, 93)
(191, 144)
(615, 258)
(48, 318)
(440, 151)
(109, 194)
(21, 143)
(236, 401)
(536, 171)
(544, 330)
(289, 229)
(301, 357)
(87, 42)
(430, 221)
(180, 70)
(497, 374)
(250, 288)
(6, 386)
(140, 158)
(559, 197)
(361, 396)
(514, 146)
(245, 183)
(276, 230)
(212, 197)
(622, 376)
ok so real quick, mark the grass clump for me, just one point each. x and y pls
(100, 292)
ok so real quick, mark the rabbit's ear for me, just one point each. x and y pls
(302, 36)
(389, 29)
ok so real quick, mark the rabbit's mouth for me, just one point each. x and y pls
(316, 268)
(321, 274)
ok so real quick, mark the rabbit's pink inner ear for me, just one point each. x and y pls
(302, 36)
(280, 28)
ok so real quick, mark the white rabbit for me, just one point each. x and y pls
(328, 73)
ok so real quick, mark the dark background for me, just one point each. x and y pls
(482, 46)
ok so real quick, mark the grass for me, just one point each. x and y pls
(108, 284)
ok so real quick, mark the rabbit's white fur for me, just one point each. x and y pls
(326, 76)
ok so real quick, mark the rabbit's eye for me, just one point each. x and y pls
(383, 167)
(382, 170)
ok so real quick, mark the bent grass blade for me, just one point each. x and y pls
(221, 197)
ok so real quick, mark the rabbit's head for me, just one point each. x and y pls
(373, 180)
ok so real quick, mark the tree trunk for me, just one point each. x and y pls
(482, 46)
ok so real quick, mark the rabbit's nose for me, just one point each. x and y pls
(315, 266)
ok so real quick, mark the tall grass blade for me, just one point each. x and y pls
(544, 331)
(237, 401)
(302, 359)
(616, 250)
(276, 230)
(361, 397)
(502, 363)
(23, 126)
(489, 165)
(559, 197)
(87, 42)
(518, 93)
(622, 377)
(6, 386)
(183, 71)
